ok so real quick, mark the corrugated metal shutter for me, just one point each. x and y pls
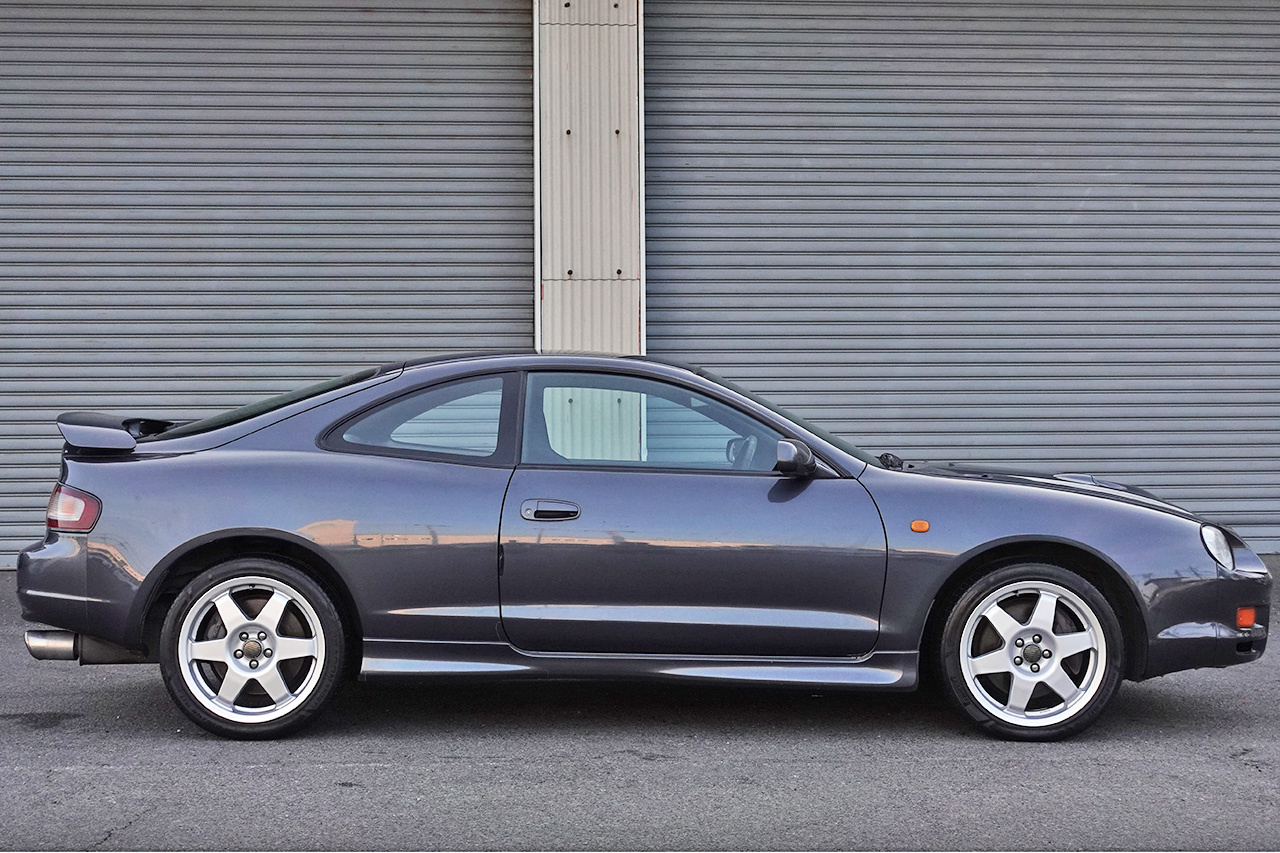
(201, 204)
(1020, 233)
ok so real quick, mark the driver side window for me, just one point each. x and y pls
(594, 419)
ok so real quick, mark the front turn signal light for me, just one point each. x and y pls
(1246, 617)
(920, 526)
(72, 510)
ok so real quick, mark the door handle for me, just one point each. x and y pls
(547, 510)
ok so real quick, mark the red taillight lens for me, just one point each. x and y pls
(72, 509)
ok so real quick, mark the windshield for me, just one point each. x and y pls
(851, 449)
(270, 404)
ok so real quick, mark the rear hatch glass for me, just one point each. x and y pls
(262, 407)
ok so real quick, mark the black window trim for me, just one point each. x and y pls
(504, 455)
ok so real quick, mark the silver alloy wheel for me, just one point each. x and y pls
(1038, 673)
(278, 671)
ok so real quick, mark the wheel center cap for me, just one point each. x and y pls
(253, 649)
(1032, 652)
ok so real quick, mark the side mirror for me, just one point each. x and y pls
(795, 459)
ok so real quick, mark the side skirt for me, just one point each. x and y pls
(400, 660)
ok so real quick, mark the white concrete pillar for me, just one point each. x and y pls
(588, 176)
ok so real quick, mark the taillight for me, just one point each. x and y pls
(71, 509)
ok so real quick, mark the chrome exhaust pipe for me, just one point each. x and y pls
(68, 645)
(52, 645)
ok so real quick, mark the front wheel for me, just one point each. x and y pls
(251, 648)
(1032, 652)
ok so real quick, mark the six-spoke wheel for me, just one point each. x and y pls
(251, 648)
(1032, 652)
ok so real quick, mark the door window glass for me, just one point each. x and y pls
(586, 418)
(459, 419)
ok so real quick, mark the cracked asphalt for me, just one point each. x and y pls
(98, 758)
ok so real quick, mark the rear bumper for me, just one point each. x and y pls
(54, 589)
(53, 582)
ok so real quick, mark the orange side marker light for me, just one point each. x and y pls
(1246, 617)
(920, 526)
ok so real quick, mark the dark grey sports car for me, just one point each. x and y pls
(523, 516)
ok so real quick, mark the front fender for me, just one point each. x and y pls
(1156, 555)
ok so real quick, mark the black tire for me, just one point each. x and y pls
(971, 648)
(301, 683)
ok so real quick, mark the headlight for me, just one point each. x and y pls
(1215, 542)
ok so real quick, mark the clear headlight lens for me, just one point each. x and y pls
(1215, 542)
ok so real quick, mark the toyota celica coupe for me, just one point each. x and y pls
(518, 516)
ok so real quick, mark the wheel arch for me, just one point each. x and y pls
(1116, 586)
(194, 557)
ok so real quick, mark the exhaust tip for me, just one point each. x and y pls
(52, 645)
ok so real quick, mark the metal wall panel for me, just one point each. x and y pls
(591, 12)
(592, 316)
(589, 152)
(588, 177)
(1021, 233)
(202, 204)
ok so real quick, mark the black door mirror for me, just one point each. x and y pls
(795, 459)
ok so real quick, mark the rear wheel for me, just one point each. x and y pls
(1032, 652)
(251, 648)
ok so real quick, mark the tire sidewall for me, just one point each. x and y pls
(330, 624)
(952, 676)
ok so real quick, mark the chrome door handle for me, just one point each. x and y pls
(541, 509)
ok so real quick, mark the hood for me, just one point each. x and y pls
(1083, 484)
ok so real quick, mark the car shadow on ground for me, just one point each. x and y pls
(133, 702)
(556, 707)
(550, 707)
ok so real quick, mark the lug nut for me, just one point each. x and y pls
(243, 636)
(1019, 643)
(253, 664)
(1036, 638)
(262, 635)
(239, 653)
(1047, 654)
(267, 652)
(1035, 667)
(1017, 661)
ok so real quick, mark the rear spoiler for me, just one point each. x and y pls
(96, 431)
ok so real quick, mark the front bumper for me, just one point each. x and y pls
(1212, 638)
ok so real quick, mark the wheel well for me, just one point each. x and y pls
(209, 554)
(1088, 566)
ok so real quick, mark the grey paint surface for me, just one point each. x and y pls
(412, 545)
(99, 758)
(1036, 234)
(205, 204)
(708, 548)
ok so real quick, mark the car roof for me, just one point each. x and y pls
(530, 358)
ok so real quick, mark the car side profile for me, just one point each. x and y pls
(518, 516)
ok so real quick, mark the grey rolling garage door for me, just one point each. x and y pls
(201, 204)
(1036, 234)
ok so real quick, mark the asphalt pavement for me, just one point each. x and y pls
(99, 758)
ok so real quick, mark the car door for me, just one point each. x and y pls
(645, 517)
(413, 506)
